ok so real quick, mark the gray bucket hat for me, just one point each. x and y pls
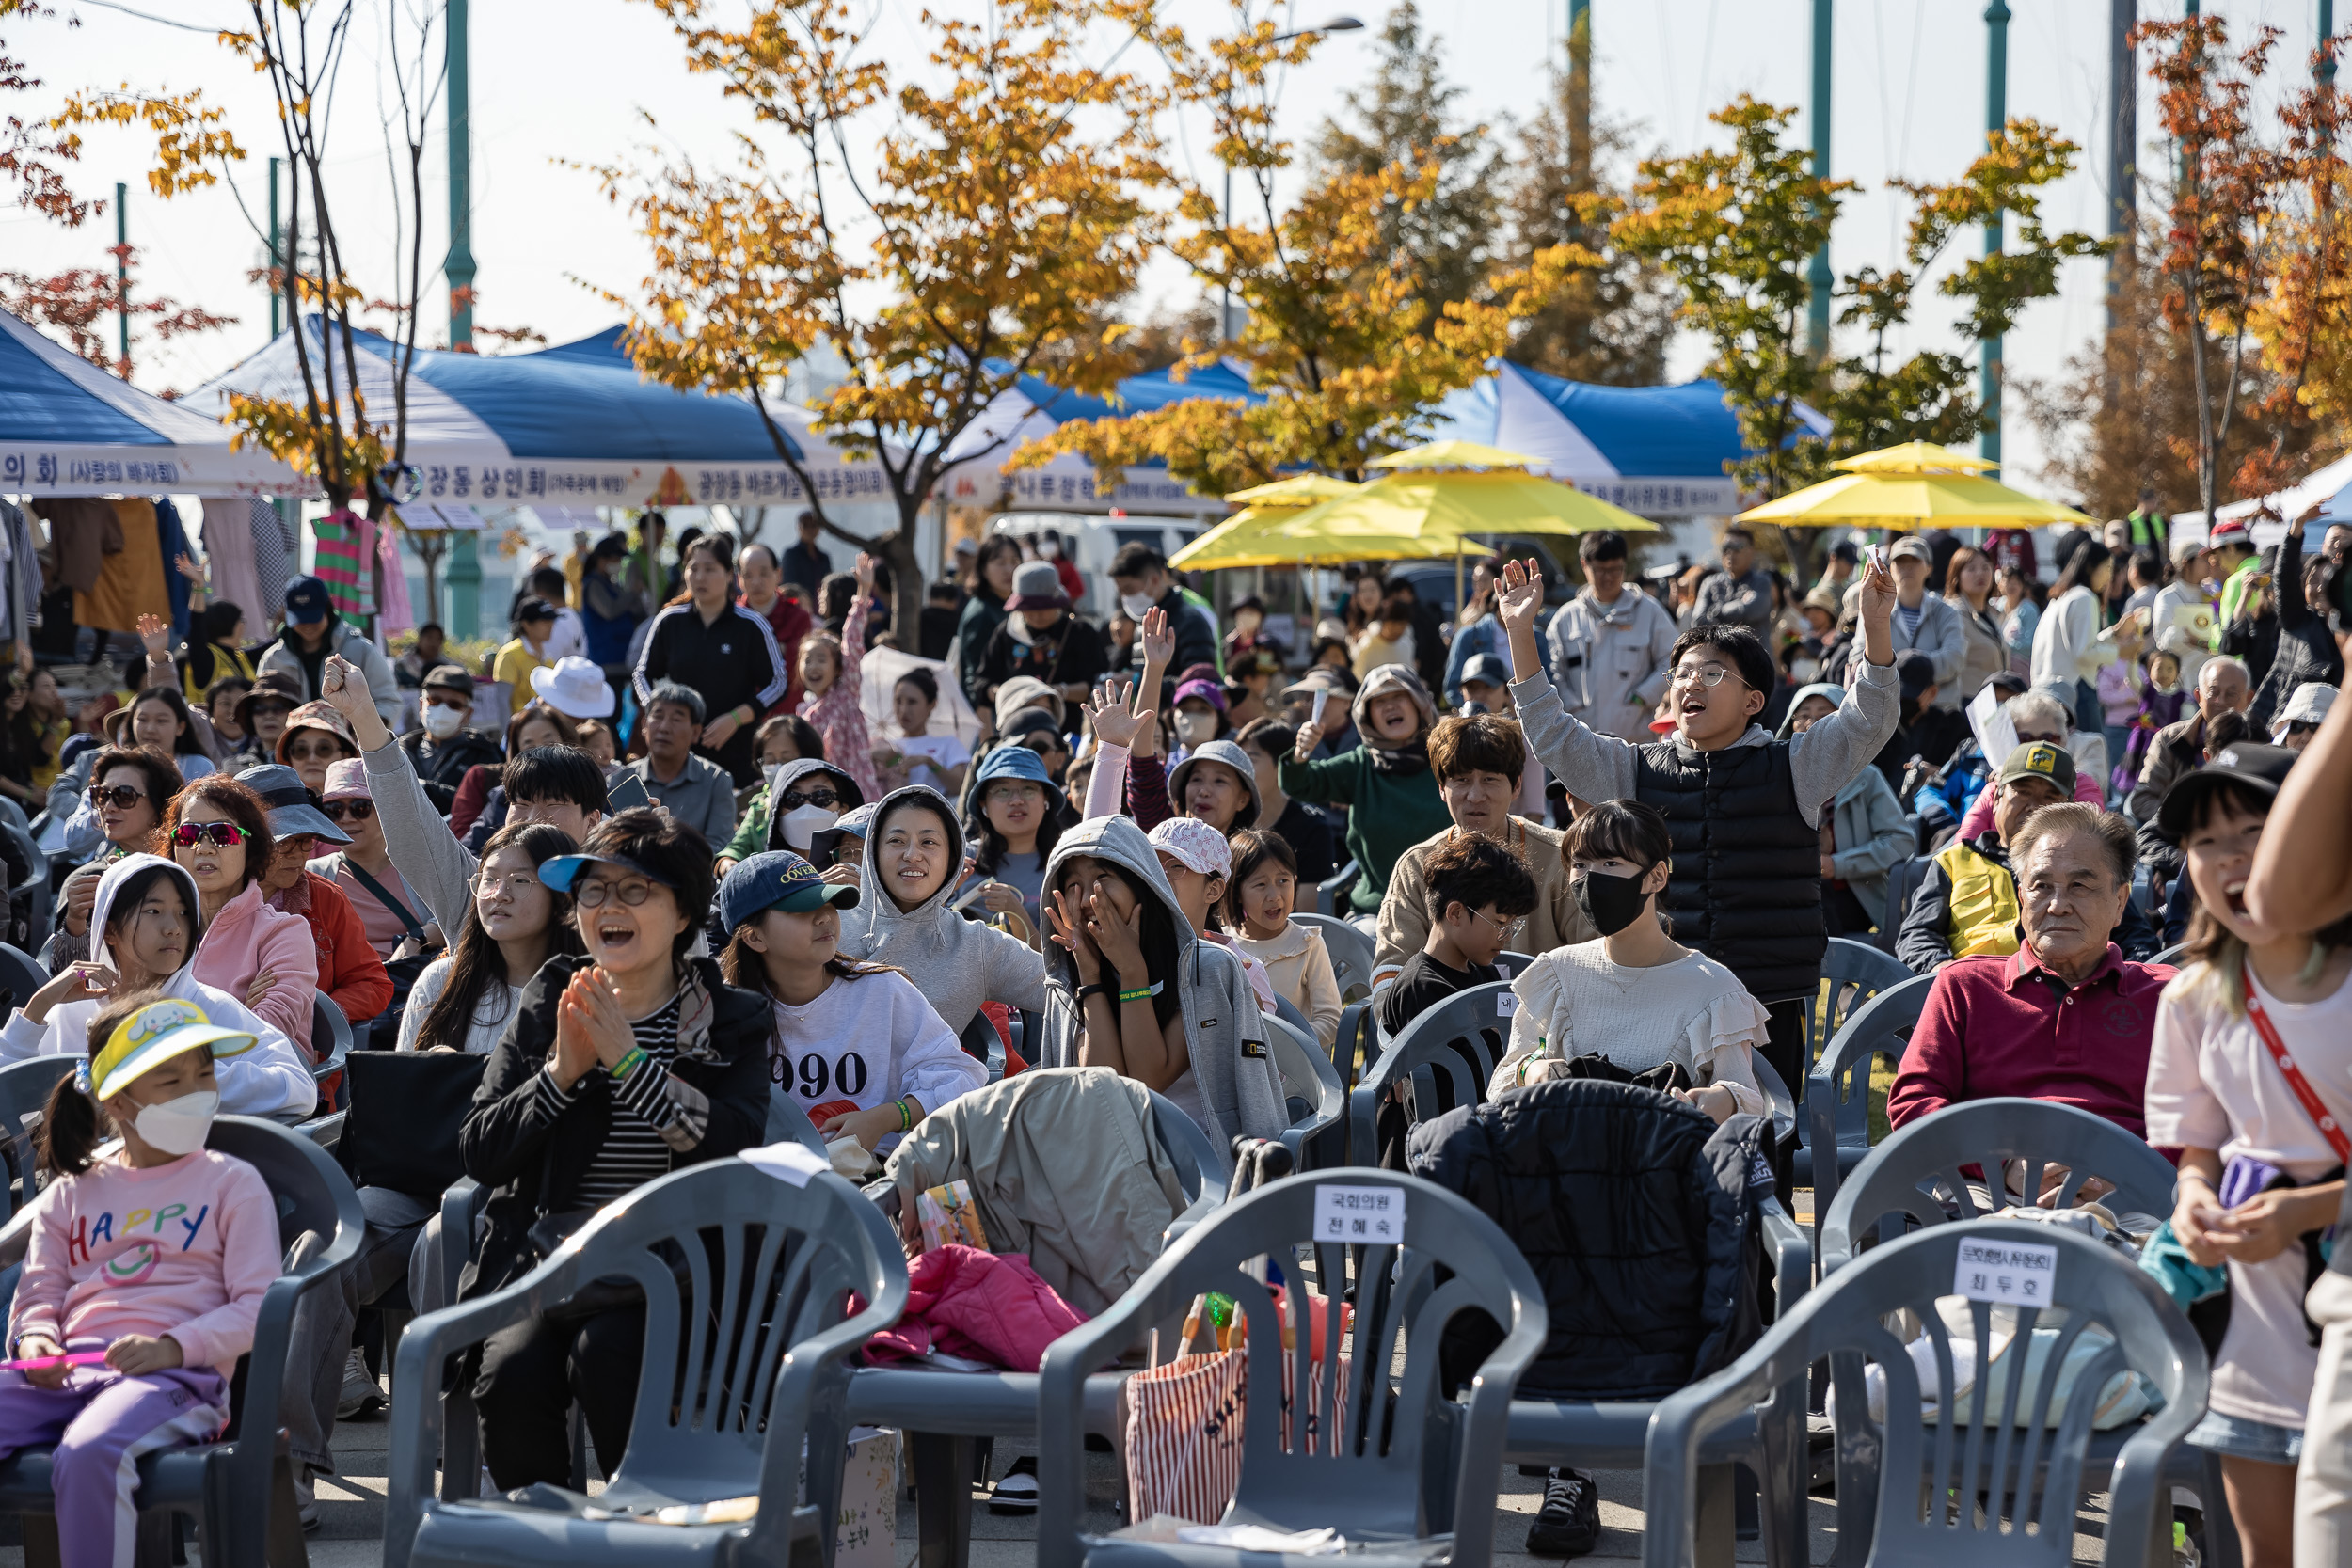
(1232, 756)
(291, 813)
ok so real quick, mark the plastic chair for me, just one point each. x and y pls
(2170, 955)
(24, 1088)
(21, 974)
(1317, 1135)
(1852, 972)
(1327, 892)
(745, 1355)
(1403, 1463)
(1414, 1059)
(787, 1118)
(1837, 1092)
(2016, 1486)
(1356, 1046)
(945, 1414)
(1512, 964)
(330, 1035)
(1902, 881)
(1778, 1102)
(240, 1489)
(1351, 952)
(1287, 1010)
(2045, 1135)
(36, 889)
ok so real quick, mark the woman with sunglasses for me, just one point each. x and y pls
(350, 973)
(390, 910)
(131, 783)
(219, 829)
(617, 1067)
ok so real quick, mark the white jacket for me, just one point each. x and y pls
(1609, 661)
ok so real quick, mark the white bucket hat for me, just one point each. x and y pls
(575, 688)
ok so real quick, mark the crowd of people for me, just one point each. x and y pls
(658, 862)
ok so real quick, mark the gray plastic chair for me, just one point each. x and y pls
(24, 1088)
(2170, 955)
(1317, 1135)
(945, 1414)
(1897, 1175)
(1356, 1046)
(1838, 1091)
(1778, 1102)
(789, 1118)
(1351, 952)
(2027, 1478)
(1327, 891)
(740, 1364)
(1404, 1463)
(1854, 971)
(1414, 1059)
(241, 1492)
(1512, 964)
(35, 890)
(330, 1037)
(21, 974)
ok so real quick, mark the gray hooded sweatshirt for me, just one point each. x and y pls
(956, 963)
(1231, 1089)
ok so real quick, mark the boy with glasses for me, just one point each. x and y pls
(1743, 810)
(1477, 891)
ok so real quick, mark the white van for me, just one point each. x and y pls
(1090, 540)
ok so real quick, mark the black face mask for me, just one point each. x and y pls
(1610, 902)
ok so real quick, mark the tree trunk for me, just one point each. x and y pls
(906, 581)
(429, 549)
(1799, 543)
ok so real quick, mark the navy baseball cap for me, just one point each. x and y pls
(305, 601)
(777, 880)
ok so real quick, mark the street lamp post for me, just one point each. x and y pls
(1995, 119)
(1225, 295)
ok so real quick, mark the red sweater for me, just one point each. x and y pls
(350, 973)
(1996, 1026)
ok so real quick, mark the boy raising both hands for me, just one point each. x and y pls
(1743, 809)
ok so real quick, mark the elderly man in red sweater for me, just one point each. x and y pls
(2066, 1017)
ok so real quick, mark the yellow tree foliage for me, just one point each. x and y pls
(1339, 337)
(976, 235)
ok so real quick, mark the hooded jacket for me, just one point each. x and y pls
(268, 1079)
(1392, 793)
(793, 772)
(1867, 821)
(1230, 1087)
(956, 963)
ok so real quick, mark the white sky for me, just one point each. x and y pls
(562, 81)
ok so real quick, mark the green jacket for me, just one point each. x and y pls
(1388, 813)
(2234, 589)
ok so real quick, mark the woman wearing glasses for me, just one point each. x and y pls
(390, 910)
(146, 914)
(131, 784)
(219, 829)
(617, 1067)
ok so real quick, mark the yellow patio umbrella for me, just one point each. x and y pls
(1914, 487)
(1449, 512)
(1246, 538)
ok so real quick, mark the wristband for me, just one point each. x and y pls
(1096, 989)
(1141, 993)
(630, 1062)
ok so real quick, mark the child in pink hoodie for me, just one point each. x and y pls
(145, 1273)
(832, 671)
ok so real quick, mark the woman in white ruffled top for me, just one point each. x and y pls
(1635, 996)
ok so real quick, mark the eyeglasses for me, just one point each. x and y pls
(1708, 676)
(121, 796)
(437, 698)
(591, 896)
(349, 811)
(266, 710)
(220, 833)
(823, 799)
(2025, 740)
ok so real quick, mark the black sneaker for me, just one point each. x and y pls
(1016, 1490)
(1568, 1524)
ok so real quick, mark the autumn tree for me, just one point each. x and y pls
(1610, 323)
(1341, 333)
(1406, 116)
(1000, 202)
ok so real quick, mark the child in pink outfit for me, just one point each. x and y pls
(830, 670)
(157, 1260)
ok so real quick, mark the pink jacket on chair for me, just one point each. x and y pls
(981, 1305)
(247, 937)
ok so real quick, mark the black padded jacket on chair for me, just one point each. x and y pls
(1642, 1218)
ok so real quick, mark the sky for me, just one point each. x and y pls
(558, 83)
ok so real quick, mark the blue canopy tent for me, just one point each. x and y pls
(69, 428)
(574, 424)
(1661, 451)
(1035, 408)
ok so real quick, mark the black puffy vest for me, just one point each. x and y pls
(1746, 887)
(1641, 1217)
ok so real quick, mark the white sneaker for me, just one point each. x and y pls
(361, 1392)
(306, 1498)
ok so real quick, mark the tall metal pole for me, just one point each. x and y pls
(2326, 75)
(1995, 116)
(464, 567)
(122, 278)
(2122, 140)
(1818, 276)
(1581, 94)
(1225, 220)
(277, 255)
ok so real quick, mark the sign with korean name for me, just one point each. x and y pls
(1371, 1215)
(2011, 1272)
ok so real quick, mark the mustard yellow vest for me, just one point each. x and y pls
(1984, 912)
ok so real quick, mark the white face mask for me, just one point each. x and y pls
(441, 722)
(1047, 549)
(178, 1126)
(1019, 631)
(802, 823)
(1805, 672)
(1194, 729)
(1137, 606)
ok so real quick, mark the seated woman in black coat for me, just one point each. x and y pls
(617, 1067)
